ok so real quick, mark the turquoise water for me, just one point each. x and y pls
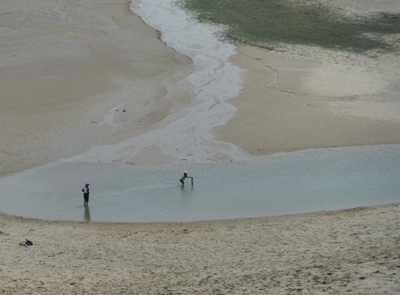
(307, 181)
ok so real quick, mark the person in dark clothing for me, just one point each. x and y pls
(86, 192)
(185, 175)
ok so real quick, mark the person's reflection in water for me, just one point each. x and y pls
(186, 191)
(86, 216)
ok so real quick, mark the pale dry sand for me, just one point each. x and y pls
(351, 252)
(289, 102)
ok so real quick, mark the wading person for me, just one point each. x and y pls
(185, 175)
(86, 192)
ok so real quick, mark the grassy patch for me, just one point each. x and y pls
(269, 22)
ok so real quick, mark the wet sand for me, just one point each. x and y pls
(73, 80)
(79, 74)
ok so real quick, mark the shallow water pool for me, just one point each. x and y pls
(289, 183)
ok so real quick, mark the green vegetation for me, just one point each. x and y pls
(270, 22)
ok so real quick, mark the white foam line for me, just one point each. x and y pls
(214, 81)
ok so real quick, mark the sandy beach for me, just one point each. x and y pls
(74, 79)
(75, 75)
(79, 74)
(352, 252)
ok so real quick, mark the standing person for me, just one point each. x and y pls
(86, 192)
(185, 175)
